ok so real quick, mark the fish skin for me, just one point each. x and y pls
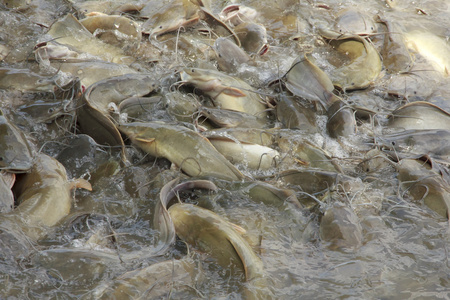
(195, 155)
(7, 180)
(162, 220)
(210, 233)
(152, 282)
(201, 228)
(433, 48)
(227, 92)
(15, 152)
(44, 196)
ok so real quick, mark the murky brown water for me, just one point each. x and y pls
(394, 245)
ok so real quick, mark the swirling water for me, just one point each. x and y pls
(404, 248)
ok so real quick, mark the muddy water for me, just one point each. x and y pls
(402, 249)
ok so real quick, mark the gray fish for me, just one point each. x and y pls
(354, 21)
(153, 282)
(43, 197)
(364, 63)
(306, 80)
(419, 115)
(15, 151)
(294, 115)
(162, 220)
(190, 151)
(415, 143)
(6, 196)
(210, 233)
(253, 38)
(25, 80)
(341, 228)
(227, 92)
(94, 115)
(228, 118)
(229, 55)
(421, 182)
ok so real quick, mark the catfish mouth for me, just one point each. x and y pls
(231, 8)
(237, 14)
(263, 50)
(230, 11)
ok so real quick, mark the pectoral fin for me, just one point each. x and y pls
(253, 266)
(80, 184)
(238, 228)
(239, 250)
(235, 92)
(145, 140)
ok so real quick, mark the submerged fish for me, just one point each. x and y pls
(258, 136)
(354, 21)
(181, 106)
(317, 181)
(229, 55)
(90, 71)
(341, 120)
(153, 282)
(253, 38)
(294, 115)
(341, 228)
(15, 151)
(25, 80)
(304, 153)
